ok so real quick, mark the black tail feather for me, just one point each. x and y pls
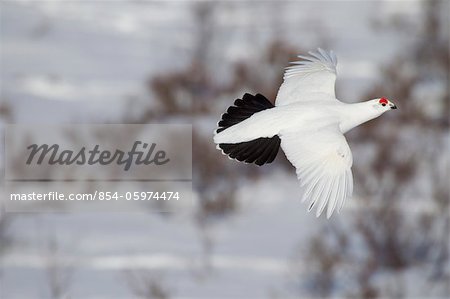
(259, 151)
(274, 152)
(267, 155)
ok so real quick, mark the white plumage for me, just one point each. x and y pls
(314, 76)
(310, 122)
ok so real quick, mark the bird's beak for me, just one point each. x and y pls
(393, 106)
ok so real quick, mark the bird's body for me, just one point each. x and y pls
(298, 117)
(308, 122)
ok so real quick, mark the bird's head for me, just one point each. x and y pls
(382, 105)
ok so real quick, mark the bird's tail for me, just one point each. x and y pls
(260, 150)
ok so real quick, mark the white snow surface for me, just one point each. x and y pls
(81, 62)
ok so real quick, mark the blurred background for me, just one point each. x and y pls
(247, 235)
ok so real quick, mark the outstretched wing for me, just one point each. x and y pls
(323, 163)
(311, 78)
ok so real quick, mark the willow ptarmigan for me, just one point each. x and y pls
(309, 124)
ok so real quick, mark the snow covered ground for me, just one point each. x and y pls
(82, 62)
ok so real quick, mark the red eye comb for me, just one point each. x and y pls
(383, 101)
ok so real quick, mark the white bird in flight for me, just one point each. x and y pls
(308, 122)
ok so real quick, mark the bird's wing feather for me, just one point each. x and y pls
(323, 163)
(308, 79)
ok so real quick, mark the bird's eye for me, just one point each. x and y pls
(383, 102)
